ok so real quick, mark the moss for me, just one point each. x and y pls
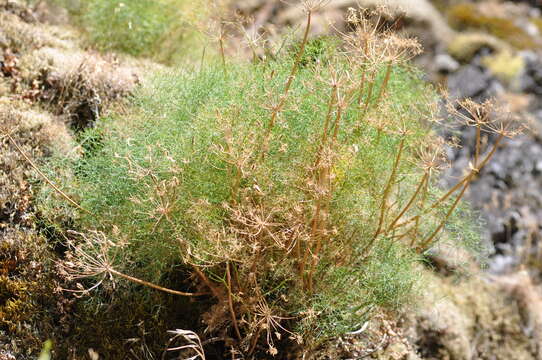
(538, 23)
(15, 302)
(28, 302)
(467, 16)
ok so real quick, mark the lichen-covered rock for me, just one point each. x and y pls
(500, 24)
(506, 66)
(471, 318)
(465, 46)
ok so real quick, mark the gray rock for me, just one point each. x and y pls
(469, 81)
(445, 63)
(530, 80)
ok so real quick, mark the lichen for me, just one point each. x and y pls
(505, 65)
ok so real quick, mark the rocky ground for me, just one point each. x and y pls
(50, 87)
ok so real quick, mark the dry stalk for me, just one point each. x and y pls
(385, 194)
(45, 178)
(421, 184)
(464, 181)
(192, 342)
(322, 175)
(230, 303)
(151, 285)
(88, 265)
(384, 85)
(421, 206)
(425, 243)
(467, 180)
(221, 44)
(282, 101)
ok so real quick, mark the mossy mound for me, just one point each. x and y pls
(467, 16)
(464, 46)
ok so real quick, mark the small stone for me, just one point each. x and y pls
(530, 28)
(444, 63)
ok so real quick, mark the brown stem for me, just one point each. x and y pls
(151, 285)
(206, 281)
(476, 169)
(289, 81)
(49, 182)
(361, 88)
(389, 184)
(314, 227)
(254, 340)
(330, 105)
(411, 201)
(384, 85)
(468, 177)
(422, 205)
(337, 123)
(202, 57)
(456, 186)
(324, 183)
(222, 52)
(368, 99)
(428, 241)
(477, 148)
(230, 303)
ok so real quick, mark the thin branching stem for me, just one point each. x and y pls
(230, 303)
(429, 239)
(207, 282)
(384, 85)
(421, 184)
(368, 97)
(385, 194)
(278, 108)
(478, 145)
(421, 206)
(45, 178)
(222, 51)
(151, 285)
(458, 185)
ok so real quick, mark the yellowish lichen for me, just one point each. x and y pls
(505, 65)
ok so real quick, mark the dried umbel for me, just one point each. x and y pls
(487, 119)
(91, 258)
